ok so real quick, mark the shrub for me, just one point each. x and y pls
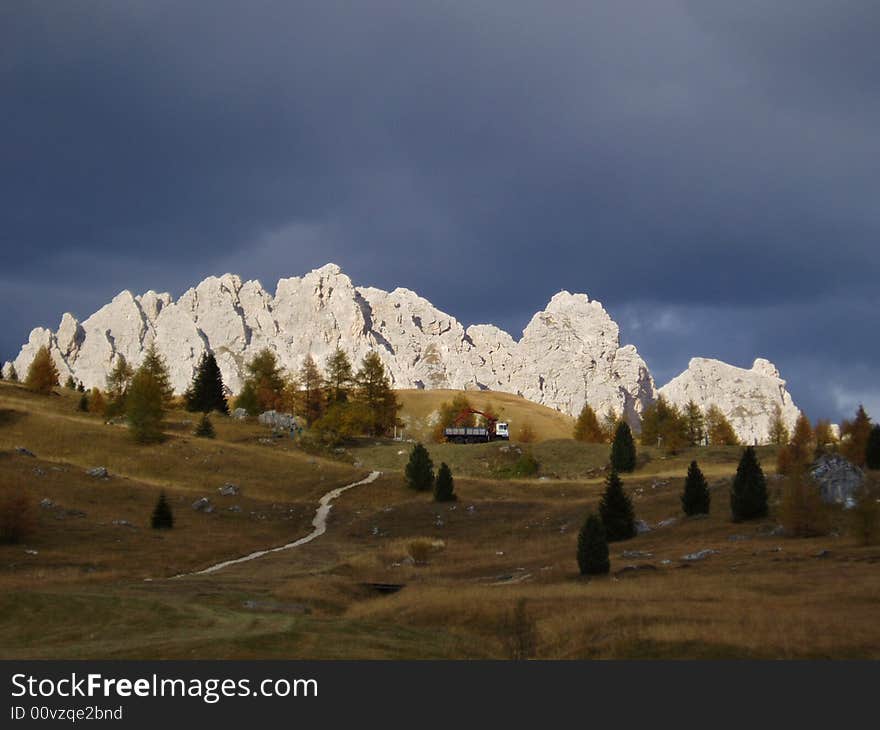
(205, 429)
(695, 498)
(18, 519)
(623, 449)
(42, 375)
(616, 510)
(444, 486)
(162, 518)
(865, 516)
(519, 633)
(420, 469)
(526, 434)
(802, 512)
(748, 493)
(592, 547)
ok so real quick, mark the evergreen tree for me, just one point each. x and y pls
(695, 498)
(205, 429)
(696, 424)
(587, 427)
(616, 510)
(207, 393)
(80, 387)
(609, 424)
(855, 433)
(155, 365)
(13, 374)
(339, 377)
(2, 376)
(42, 375)
(592, 547)
(311, 396)
(162, 518)
(83, 403)
(444, 487)
(247, 399)
(70, 383)
(375, 395)
(145, 406)
(748, 493)
(118, 382)
(266, 380)
(718, 428)
(420, 469)
(872, 450)
(778, 430)
(623, 449)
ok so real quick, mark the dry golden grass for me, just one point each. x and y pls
(83, 594)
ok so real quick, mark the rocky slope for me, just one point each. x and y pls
(569, 354)
(747, 397)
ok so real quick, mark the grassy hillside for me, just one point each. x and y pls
(420, 405)
(93, 580)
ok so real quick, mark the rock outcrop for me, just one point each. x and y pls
(747, 398)
(569, 354)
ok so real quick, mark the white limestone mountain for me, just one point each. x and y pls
(569, 354)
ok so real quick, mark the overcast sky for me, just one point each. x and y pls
(709, 170)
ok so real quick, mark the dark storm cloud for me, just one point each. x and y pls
(707, 163)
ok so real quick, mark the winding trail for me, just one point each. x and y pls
(319, 523)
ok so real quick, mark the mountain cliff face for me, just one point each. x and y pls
(569, 354)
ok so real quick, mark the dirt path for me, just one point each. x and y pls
(319, 523)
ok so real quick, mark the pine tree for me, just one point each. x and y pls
(420, 469)
(623, 449)
(339, 377)
(162, 518)
(70, 383)
(718, 428)
(207, 393)
(247, 399)
(695, 498)
(42, 375)
(145, 406)
(375, 395)
(155, 365)
(778, 430)
(444, 486)
(616, 510)
(205, 429)
(311, 397)
(587, 427)
(13, 374)
(592, 547)
(83, 403)
(80, 387)
(856, 433)
(696, 424)
(266, 380)
(748, 493)
(118, 382)
(872, 450)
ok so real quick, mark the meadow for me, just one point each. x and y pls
(496, 575)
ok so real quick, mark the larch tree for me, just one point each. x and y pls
(118, 383)
(719, 429)
(375, 395)
(338, 377)
(587, 428)
(311, 395)
(155, 365)
(145, 406)
(696, 424)
(855, 434)
(42, 375)
(266, 380)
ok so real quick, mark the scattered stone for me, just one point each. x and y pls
(635, 568)
(234, 508)
(203, 504)
(637, 554)
(699, 555)
(838, 479)
(823, 554)
(239, 414)
(665, 561)
(25, 452)
(38, 472)
(32, 552)
(229, 490)
(47, 503)
(777, 531)
(98, 472)
(470, 508)
(738, 538)
(642, 527)
(279, 421)
(669, 522)
(401, 453)
(122, 523)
